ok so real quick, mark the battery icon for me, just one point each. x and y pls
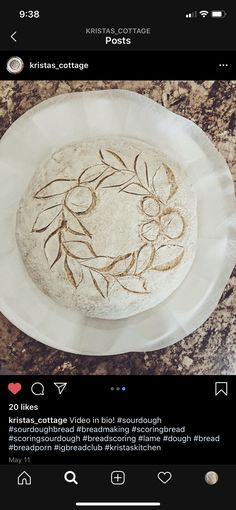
(218, 14)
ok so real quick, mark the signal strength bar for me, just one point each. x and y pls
(191, 14)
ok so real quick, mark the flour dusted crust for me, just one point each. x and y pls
(108, 227)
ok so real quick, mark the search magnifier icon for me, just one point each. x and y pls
(70, 477)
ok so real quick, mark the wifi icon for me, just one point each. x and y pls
(203, 13)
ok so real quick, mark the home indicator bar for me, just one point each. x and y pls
(117, 504)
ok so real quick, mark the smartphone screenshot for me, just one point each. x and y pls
(117, 256)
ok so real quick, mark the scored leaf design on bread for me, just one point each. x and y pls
(76, 198)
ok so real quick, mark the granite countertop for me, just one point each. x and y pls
(211, 349)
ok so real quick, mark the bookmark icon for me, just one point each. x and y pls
(221, 387)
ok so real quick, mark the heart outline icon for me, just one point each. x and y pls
(164, 476)
(14, 388)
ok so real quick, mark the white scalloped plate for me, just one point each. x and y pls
(76, 117)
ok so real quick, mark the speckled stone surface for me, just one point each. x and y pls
(211, 349)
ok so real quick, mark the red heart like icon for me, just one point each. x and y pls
(14, 387)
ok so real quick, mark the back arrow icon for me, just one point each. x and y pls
(12, 36)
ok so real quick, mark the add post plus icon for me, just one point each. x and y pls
(117, 477)
(60, 386)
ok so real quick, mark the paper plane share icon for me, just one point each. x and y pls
(60, 386)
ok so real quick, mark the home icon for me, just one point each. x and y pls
(24, 479)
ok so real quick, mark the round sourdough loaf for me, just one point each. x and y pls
(108, 227)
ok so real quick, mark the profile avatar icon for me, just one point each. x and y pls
(15, 65)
